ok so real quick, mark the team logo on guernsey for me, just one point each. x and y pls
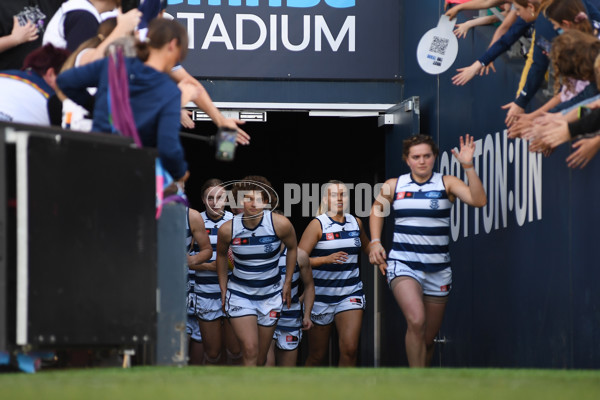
(268, 248)
(332, 236)
(402, 195)
(291, 338)
(435, 204)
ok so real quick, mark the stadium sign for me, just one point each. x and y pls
(298, 39)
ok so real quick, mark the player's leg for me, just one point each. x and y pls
(409, 296)
(318, 345)
(246, 331)
(265, 339)
(286, 347)
(271, 360)
(232, 344)
(436, 290)
(434, 314)
(211, 333)
(195, 346)
(286, 358)
(348, 325)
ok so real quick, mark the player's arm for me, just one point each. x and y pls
(380, 209)
(285, 231)
(311, 236)
(309, 288)
(196, 261)
(223, 241)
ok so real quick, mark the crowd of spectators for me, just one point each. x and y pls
(562, 36)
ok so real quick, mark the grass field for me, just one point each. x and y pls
(151, 383)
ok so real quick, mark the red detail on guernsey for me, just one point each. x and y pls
(208, 231)
(400, 195)
(274, 314)
(240, 241)
(329, 236)
(445, 288)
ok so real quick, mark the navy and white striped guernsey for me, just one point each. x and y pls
(335, 282)
(191, 250)
(291, 318)
(422, 224)
(256, 256)
(207, 282)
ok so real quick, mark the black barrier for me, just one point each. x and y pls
(78, 255)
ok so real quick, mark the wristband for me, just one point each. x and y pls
(376, 240)
(466, 166)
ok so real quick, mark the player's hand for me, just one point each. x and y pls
(337, 258)
(306, 323)
(286, 294)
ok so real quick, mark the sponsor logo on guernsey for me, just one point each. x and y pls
(445, 288)
(291, 338)
(274, 314)
(353, 233)
(433, 195)
(269, 239)
(400, 195)
(240, 241)
(356, 300)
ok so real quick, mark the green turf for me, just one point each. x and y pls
(151, 383)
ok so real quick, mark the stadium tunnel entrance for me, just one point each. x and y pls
(298, 150)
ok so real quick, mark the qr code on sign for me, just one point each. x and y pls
(439, 45)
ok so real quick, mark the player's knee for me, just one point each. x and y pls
(416, 323)
(349, 350)
(212, 358)
(234, 356)
(250, 351)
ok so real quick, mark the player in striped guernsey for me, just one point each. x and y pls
(215, 329)
(198, 250)
(252, 296)
(418, 266)
(288, 334)
(334, 240)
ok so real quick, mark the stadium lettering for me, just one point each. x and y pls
(276, 28)
(270, 3)
(521, 196)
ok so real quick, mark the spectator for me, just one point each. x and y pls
(572, 52)
(28, 13)
(24, 94)
(77, 21)
(154, 97)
